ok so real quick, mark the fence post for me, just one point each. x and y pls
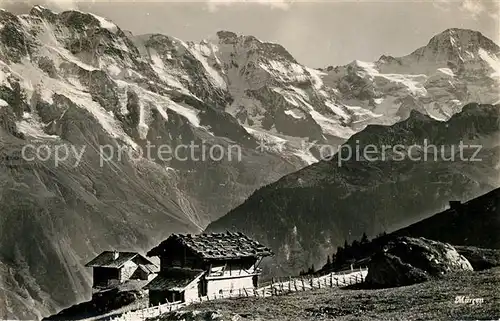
(312, 284)
(331, 280)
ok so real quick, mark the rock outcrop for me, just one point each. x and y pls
(406, 261)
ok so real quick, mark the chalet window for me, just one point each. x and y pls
(217, 271)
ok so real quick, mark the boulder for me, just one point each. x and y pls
(405, 261)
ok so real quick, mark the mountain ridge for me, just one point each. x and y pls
(76, 79)
(324, 204)
(458, 217)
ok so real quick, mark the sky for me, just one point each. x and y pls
(317, 33)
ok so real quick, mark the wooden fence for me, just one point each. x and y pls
(273, 288)
(150, 312)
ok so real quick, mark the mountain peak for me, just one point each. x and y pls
(224, 34)
(42, 12)
(38, 7)
(229, 37)
(456, 36)
(458, 32)
(418, 116)
(461, 41)
(270, 49)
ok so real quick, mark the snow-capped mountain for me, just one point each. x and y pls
(456, 67)
(75, 79)
(276, 97)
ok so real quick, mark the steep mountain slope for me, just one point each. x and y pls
(475, 222)
(320, 206)
(471, 227)
(76, 81)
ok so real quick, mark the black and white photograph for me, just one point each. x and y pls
(250, 160)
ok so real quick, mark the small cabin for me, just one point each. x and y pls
(196, 266)
(111, 268)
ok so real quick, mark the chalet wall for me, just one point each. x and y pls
(226, 285)
(140, 274)
(162, 297)
(232, 269)
(180, 256)
(225, 277)
(191, 293)
(127, 270)
(157, 297)
(102, 276)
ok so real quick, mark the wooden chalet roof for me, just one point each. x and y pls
(227, 245)
(149, 268)
(107, 259)
(174, 279)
